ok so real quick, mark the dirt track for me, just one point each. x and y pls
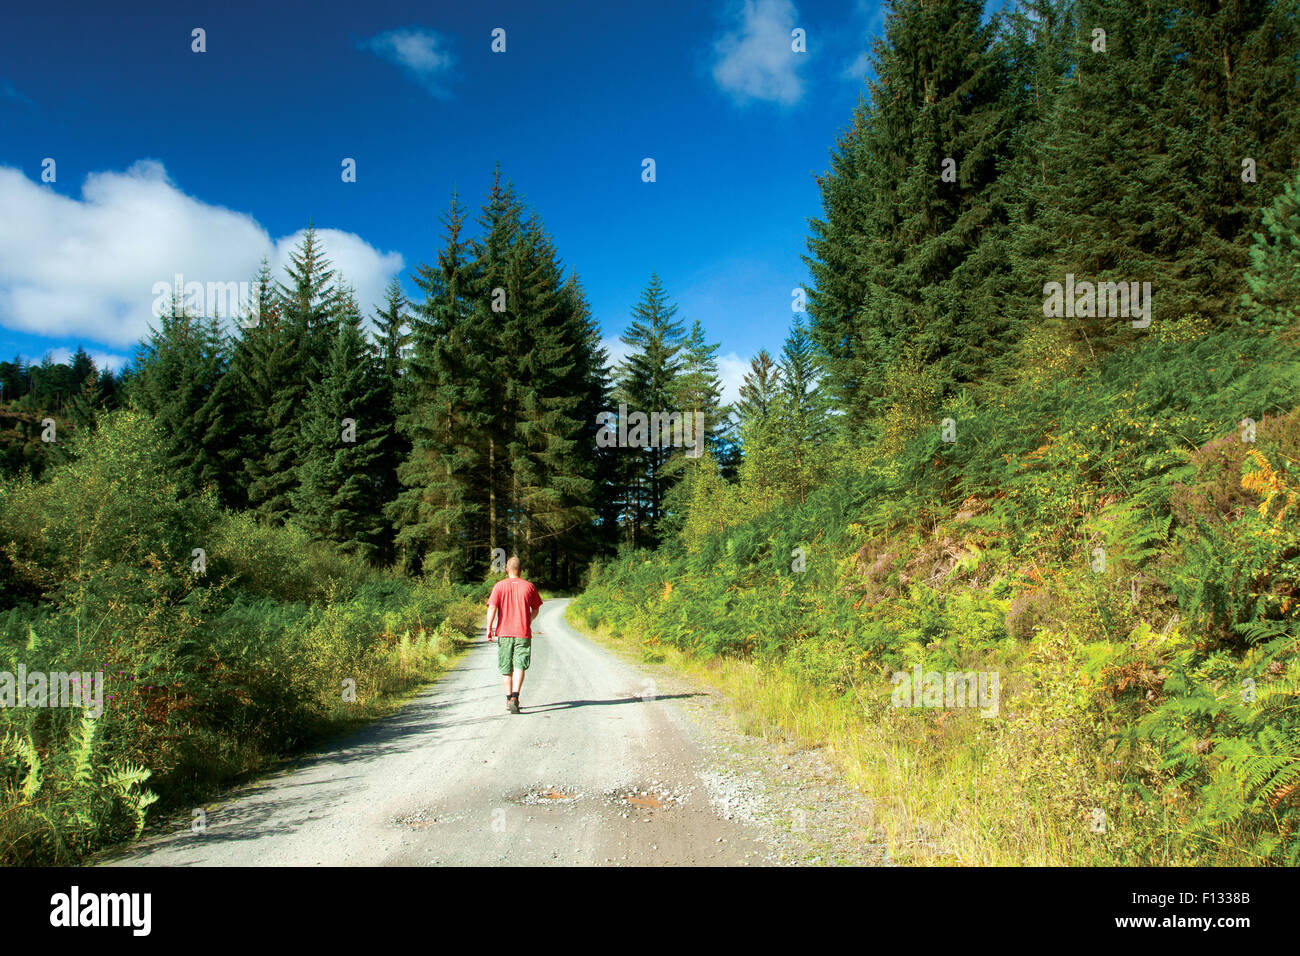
(608, 765)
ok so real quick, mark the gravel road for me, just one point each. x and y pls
(611, 763)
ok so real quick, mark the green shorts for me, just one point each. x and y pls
(514, 653)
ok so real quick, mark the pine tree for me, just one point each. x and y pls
(438, 515)
(912, 249)
(647, 382)
(1159, 192)
(490, 293)
(505, 379)
(1236, 134)
(551, 470)
(343, 432)
(699, 392)
(309, 301)
(710, 504)
(1042, 41)
(758, 392)
(179, 383)
(392, 336)
(801, 409)
(700, 389)
(1272, 296)
(294, 357)
(599, 537)
(257, 374)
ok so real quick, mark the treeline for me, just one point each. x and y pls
(72, 391)
(1103, 139)
(466, 424)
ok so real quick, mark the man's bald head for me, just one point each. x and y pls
(512, 566)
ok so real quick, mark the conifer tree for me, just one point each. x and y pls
(343, 432)
(391, 338)
(256, 375)
(647, 382)
(294, 358)
(700, 389)
(801, 409)
(912, 247)
(1168, 190)
(550, 467)
(1236, 109)
(439, 513)
(490, 293)
(1272, 296)
(758, 392)
(599, 537)
(181, 367)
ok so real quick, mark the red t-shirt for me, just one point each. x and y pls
(515, 600)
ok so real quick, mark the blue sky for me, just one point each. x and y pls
(168, 160)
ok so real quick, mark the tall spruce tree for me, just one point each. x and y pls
(392, 334)
(700, 389)
(344, 428)
(801, 409)
(550, 466)
(1236, 138)
(439, 514)
(1168, 190)
(599, 537)
(1272, 296)
(256, 375)
(505, 379)
(912, 248)
(647, 382)
(296, 357)
(493, 273)
(179, 382)
(759, 390)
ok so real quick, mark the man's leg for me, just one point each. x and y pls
(505, 656)
(522, 658)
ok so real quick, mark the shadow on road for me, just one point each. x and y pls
(568, 704)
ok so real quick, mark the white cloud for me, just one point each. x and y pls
(871, 16)
(857, 70)
(422, 53)
(86, 267)
(754, 60)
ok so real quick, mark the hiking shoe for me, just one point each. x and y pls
(512, 705)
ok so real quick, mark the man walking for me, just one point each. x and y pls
(512, 607)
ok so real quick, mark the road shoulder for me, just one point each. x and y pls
(789, 795)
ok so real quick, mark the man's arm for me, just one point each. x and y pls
(537, 609)
(491, 619)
